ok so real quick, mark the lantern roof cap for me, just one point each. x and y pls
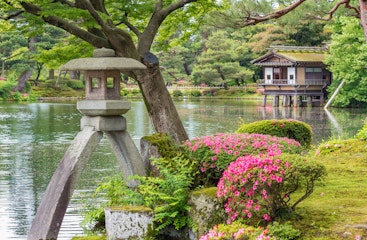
(103, 59)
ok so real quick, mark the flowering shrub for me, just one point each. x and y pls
(215, 153)
(258, 188)
(250, 187)
(236, 231)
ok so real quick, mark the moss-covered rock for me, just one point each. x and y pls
(205, 210)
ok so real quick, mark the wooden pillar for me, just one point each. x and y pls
(264, 100)
(309, 101)
(322, 100)
(284, 102)
(276, 101)
(295, 101)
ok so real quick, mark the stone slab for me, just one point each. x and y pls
(104, 123)
(103, 107)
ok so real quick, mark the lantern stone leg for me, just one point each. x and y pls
(47, 223)
(126, 154)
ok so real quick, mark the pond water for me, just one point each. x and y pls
(34, 137)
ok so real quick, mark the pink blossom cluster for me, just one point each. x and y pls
(216, 152)
(242, 233)
(249, 187)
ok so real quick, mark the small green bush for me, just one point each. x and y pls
(177, 93)
(210, 92)
(75, 84)
(362, 134)
(251, 90)
(284, 231)
(195, 93)
(289, 128)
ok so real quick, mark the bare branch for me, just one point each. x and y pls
(134, 29)
(67, 26)
(253, 20)
(340, 3)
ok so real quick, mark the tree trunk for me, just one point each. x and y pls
(22, 79)
(158, 101)
(363, 13)
(51, 74)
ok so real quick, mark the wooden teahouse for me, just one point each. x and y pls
(298, 74)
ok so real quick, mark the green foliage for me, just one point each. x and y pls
(301, 177)
(5, 88)
(116, 193)
(362, 134)
(236, 230)
(90, 238)
(195, 93)
(289, 128)
(166, 191)
(340, 147)
(210, 92)
(75, 84)
(167, 194)
(283, 231)
(177, 93)
(347, 62)
(220, 62)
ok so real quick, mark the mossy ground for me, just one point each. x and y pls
(338, 208)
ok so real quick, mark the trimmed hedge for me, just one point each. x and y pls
(289, 128)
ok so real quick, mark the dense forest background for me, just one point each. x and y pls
(211, 49)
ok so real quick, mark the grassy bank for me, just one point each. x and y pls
(337, 210)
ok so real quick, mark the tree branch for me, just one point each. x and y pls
(363, 16)
(155, 21)
(67, 26)
(253, 20)
(347, 5)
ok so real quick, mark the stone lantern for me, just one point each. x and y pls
(102, 110)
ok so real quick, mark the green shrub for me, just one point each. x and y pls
(166, 191)
(177, 93)
(302, 176)
(362, 134)
(283, 231)
(210, 92)
(251, 90)
(5, 88)
(289, 128)
(195, 93)
(75, 84)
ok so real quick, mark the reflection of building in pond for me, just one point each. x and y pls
(296, 73)
(301, 114)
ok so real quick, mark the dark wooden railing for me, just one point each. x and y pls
(292, 82)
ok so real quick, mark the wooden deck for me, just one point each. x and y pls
(310, 93)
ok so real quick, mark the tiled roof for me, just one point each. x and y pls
(294, 54)
(303, 56)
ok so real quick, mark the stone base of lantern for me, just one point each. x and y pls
(128, 223)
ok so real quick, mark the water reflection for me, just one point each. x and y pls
(34, 137)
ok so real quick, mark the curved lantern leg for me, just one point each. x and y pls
(51, 211)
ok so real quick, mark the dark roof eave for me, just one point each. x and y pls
(289, 64)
